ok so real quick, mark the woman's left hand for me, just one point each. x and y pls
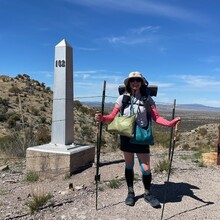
(177, 120)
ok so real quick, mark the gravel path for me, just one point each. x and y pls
(192, 193)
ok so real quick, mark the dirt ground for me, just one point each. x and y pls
(192, 193)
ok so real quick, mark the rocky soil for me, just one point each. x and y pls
(192, 193)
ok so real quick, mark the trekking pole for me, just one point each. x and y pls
(171, 130)
(170, 166)
(99, 140)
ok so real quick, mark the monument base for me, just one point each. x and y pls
(58, 159)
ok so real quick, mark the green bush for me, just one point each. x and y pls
(43, 135)
(17, 142)
(38, 201)
(162, 165)
(14, 89)
(31, 176)
(35, 111)
(203, 131)
(12, 120)
(114, 183)
(4, 101)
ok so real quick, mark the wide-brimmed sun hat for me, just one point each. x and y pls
(134, 75)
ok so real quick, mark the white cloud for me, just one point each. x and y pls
(140, 35)
(200, 80)
(211, 59)
(86, 48)
(99, 75)
(128, 40)
(141, 30)
(158, 8)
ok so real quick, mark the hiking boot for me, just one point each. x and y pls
(130, 199)
(149, 198)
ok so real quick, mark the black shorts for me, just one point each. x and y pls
(133, 148)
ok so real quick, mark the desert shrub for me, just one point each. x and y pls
(185, 146)
(203, 131)
(48, 89)
(43, 119)
(46, 104)
(37, 201)
(114, 183)
(3, 141)
(42, 108)
(84, 109)
(3, 111)
(86, 130)
(43, 135)
(4, 101)
(76, 127)
(14, 89)
(35, 111)
(77, 104)
(162, 165)
(31, 176)
(161, 138)
(12, 120)
(17, 142)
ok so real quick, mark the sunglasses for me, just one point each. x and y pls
(135, 79)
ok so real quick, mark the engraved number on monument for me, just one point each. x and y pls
(60, 63)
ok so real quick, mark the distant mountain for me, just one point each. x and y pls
(191, 107)
(198, 107)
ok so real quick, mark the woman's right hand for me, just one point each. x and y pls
(98, 117)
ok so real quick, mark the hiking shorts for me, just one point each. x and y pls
(133, 148)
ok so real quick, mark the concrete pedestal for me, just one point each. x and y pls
(58, 159)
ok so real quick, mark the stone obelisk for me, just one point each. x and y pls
(61, 155)
(62, 118)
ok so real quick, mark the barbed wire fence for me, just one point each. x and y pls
(81, 98)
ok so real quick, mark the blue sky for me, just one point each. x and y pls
(174, 43)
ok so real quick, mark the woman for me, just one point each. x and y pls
(135, 86)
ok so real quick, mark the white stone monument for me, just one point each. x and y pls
(62, 119)
(61, 155)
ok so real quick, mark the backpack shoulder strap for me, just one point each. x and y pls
(125, 101)
(147, 103)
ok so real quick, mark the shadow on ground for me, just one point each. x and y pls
(171, 192)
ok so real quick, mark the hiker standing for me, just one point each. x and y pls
(135, 86)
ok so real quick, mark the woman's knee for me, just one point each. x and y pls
(129, 160)
(145, 167)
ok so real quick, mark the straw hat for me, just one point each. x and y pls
(134, 75)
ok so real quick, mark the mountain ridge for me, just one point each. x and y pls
(160, 105)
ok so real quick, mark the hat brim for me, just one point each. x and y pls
(127, 80)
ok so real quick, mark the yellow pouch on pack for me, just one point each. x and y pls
(123, 125)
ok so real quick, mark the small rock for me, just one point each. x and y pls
(79, 187)
(70, 186)
(3, 168)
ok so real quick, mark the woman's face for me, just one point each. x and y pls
(135, 83)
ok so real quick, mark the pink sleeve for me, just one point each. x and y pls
(110, 117)
(162, 121)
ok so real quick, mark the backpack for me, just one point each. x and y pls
(150, 91)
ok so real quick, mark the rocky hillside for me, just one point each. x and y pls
(27, 103)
